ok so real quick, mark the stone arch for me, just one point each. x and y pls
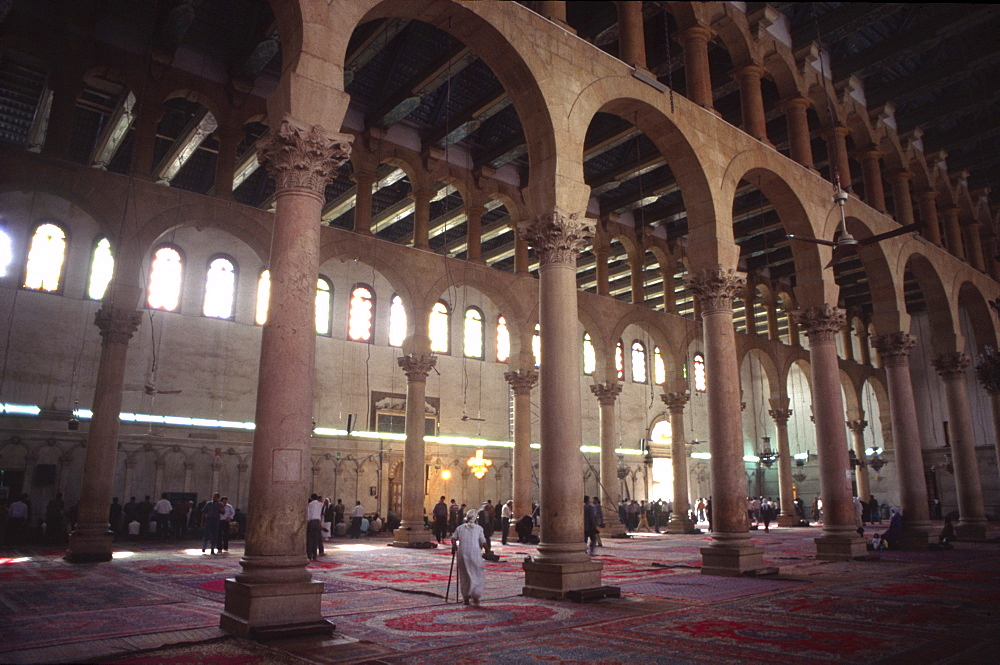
(971, 298)
(206, 99)
(941, 311)
(885, 284)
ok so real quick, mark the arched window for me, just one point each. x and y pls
(220, 288)
(45, 258)
(662, 433)
(397, 321)
(589, 355)
(700, 381)
(324, 302)
(6, 252)
(638, 362)
(474, 341)
(659, 369)
(437, 327)
(361, 315)
(503, 340)
(536, 345)
(102, 266)
(263, 297)
(620, 359)
(165, 275)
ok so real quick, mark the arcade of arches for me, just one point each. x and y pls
(322, 262)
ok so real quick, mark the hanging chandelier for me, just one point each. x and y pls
(767, 456)
(479, 465)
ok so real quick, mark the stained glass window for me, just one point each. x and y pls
(659, 369)
(503, 340)
(165, 279)
(102, 266)
(324, 300)
(620, 359)
(536, 345)
(220, 288)
(361, 317)
(45, 258)
(473, 333)
(589, 355)
(700, 382)
(638, 362)
(438, 327)
(263, 297)
(397, 322)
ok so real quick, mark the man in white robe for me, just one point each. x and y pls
(467, 541)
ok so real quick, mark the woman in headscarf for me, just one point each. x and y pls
(895, 531)
(467, 541)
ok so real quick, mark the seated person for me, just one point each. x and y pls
(376, 527)
(340, 529)
(895, 532)
(523, 527)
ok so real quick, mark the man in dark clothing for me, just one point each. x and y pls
(590, 525)
(523, 529)
(145, 512)
(440, 514)
(211, 515)
(115, 516)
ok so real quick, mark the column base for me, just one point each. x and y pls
(86, 546)
(272, 611)
(555, 580)
(976, 530)
(917, 536)
(681, 524)
(788, 520)
(613, 526)
(732, 561)
(840, 547)
(410, 537)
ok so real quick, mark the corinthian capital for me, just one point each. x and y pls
(894, 348)
(607, 392)
(522, 381)
(715, 288)
(951, 365)
(302, 157)
(675, 401)
(557, 238)
(780, 416)
(117, 324)
(821, 323)
(417, 366)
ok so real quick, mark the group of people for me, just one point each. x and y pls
(640, 516)
(325, 519)
(177, 519)
(761, 510)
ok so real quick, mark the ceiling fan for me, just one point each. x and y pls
(846, 244)
(466, 417)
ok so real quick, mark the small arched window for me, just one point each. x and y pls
(220, 288)
(503, 340)
(397, 322)
(473, 337)
(361, 315)
(324, 302)
(700, 377)
(659, 369)
(46, 256)
(165, 275)
(263, 297)
(437, 327)
(536, 345)
(6, 252)
(102, 266)
(620, 359)
(589, 355)
(638, 362)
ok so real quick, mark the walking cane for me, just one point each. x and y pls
(452, 566)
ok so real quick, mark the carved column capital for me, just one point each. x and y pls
(894, 348)
(117, 324)
(715, 288)
(557, 238)
(607, 392)
(780, 416)
(821, 323)
(676, 401)
(302, 157)
(857, 426)
(417, 366)
(522, 381)
(951, 366)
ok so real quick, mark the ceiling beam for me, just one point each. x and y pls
(199, 128)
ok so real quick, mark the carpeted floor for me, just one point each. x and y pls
(159, 603)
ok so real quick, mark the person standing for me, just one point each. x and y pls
(466, 543)
(314, 527)
(357, 515)
(210, 516)
(328, 516)
(454, 515)
(225, 523)
(145, 513)
(338, 512)
(874, 510)
(589, 525)
(55, 525)
(440, 514)
(161, 514)
(506, 513)
(599, 512)
(115, 517)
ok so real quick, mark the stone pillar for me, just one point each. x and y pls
(839, 539)
(601, 270)
(364, 181)
(799, 144)
(975, 245)
(631, 37)
(275, 593)
(520, 255)
(669, 296)
(607, 394)
(422, 217)
(555, 11)
(188, 475)
(158, 479)
(521, 382)
(127, 481)
(902, 204)
(636, 280)
(731, 551)
(995, 403)
(680, 519)
(150, 111)
(894, 351)
(953, 232)
(780, 414)
(752, 101)
(836, 142)
(845, 338)
(697, 71)
(562, 563)
(225, 163)
(857, 427)
(474, 230)
(990, 257)
(930, 227)
(871, 171)
(92, 538)
(411, 531)
(972, 522)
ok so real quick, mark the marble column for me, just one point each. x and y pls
(975, 244)
(799, 145)
(364, 181)
(188, 476)
(857, 427)
(631, 37)
(225, 165)
(839, 539)
(669, 295)
(601, 270)
(953, 232)
(411, 531)
(972, 523)
(555, 11)
(275, 592)
(636, 280)
(731, 551)
(752, 101)
(894, 351)
(521, 382)
(150, 111)
(607, 394)
(930, 226)
(92, 539)
(780, 415)
(474, 233)
(680, 519)
(772, 321)
(845, 338)
(520, 255)
(836, 141)
(562, 563)
(871, 171)
(697, 71)
(902, 203)
(422, 217)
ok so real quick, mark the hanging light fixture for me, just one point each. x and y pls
(479, 464)
(767, 456)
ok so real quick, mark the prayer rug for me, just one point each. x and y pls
(706, 588)
(25, 599)
(224, 652)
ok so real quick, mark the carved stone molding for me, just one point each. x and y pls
(607, 392)
(417, 366)
(951, 366)
(715, 288)
(821, 323)
(780, 416)
(522, 381)
(117, 324)
(894, 348)
(302, 157)
(558, 238)
(675, 401)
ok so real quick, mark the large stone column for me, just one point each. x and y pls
(780, 413)
(752, 101)
(364, 181)
(731, 551)
(669, 296)
(973, 232)
(894, 351)
(680, 519)
(562, 563)
(521, 382)
(225, 165)
(697, 71)
(474, 233)
(520, 255)
(902, 203)
(601, 270)
(275, 594)
(953, 232)
(422, 217)
(607, 394)
(930, 226)
(411, 531)
(636, 280)
(857, 427)
(799, 145)
(972, 522)
(92, 539)
(839, 539)
(836, 142)
(631, 38)
(871, 171)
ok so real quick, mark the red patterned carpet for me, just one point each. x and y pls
(159, 603)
